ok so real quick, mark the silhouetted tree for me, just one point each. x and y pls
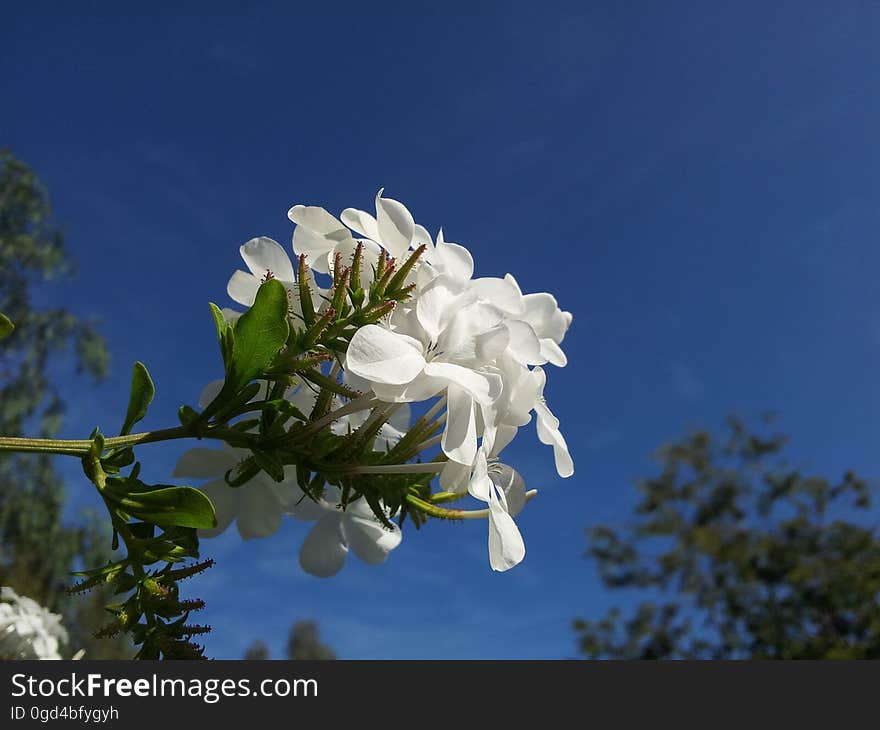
(304, 643)
(739, 555)
(257, 651)
(37, 548)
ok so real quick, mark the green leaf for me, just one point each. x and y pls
(224, 333)
(6, 326)
(170, 507)
(259, 334)
(142, 392)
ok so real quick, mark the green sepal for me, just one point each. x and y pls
(270, 464)
(327, 383)
(242, 472)
(118, 459)
(237, 403)
(245, 426)
(305, 293)
(188, 416)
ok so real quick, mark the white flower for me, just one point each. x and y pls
(503, 489)
(27, 630)
(257, 506)
(548, 429)
(549, 323)
(320, 236)
(446, 258)
(392, 228)
(535, 322)
(450, 338)
(478, 344)
(266, 259)
(337, 531)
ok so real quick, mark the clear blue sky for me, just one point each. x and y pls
(697, 182)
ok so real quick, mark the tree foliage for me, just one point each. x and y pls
(739, 555)
(303, 643)
(38, 549)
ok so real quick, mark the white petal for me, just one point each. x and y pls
(543, 313)
(546, 421)
(303, 508)
(421, 236)
(513, 282)
(503, 436)
(209, 392)
(553, 353)
(396, 226)
(452, 259)
(265, 255)
(370, 252)
(480, 485)
(225, 501)
(323, 552)
(315, 218)
(506, 546)
(455, 477)
(509, 481)
(564, 462)
(202, 463)
(479, 385)
(259, 511)
(500, 292)
(458, 342)
(421, 388)
(361, 222)
(491, 344)
(549, 433)
(316, 247)
(459, 440)
(382, 356)
(437, 303)
(524, 345)
(394, 430)
(368, 538)
(242, 288)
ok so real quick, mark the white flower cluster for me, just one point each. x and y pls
(473, 346)
(27, 630)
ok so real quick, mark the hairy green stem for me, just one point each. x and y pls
(81, 447)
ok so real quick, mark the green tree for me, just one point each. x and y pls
(303, 642)
(257, 651)
(739, 555)
(38, 549)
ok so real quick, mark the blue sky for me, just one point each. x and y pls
(696, 182)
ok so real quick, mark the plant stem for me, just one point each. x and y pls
(80, 447)
(432, 510)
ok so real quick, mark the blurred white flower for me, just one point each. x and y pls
(257, 506)
(337, 531)
(27, 630)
